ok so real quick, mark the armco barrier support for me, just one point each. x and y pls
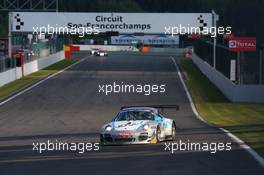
(234, 92)
(33, 66)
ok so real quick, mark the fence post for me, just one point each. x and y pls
(10, 34)
(260, 66)
(215, 19)
(238, 68)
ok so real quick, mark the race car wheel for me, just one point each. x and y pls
(173, 132)
(101, 139)
(158, 134)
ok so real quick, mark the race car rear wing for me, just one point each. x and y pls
(159, 107)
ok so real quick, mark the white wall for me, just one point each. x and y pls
(152, 50)
(8, 76)
(234, 92)
(41, 63)
(33, 66)
(106, 47)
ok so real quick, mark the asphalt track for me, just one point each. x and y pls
(69, 108)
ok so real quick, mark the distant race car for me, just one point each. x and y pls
(101, 53)
(93, 51)
(139, 125)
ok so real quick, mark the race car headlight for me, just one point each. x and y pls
(108, 128)
(146, 127)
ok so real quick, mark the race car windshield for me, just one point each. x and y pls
(134, 115)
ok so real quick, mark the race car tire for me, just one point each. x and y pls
(173, 132)
(101, 139)
(158, 134)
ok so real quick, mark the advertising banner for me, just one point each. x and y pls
(239, 44)
(122, 22)
(146, 39)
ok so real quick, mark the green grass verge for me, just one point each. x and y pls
(16, 85)
(242, 119)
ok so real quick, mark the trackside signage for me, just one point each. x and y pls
(238, 44)
(146, 39)
(121, 22)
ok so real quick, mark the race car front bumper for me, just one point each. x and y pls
(135, 138)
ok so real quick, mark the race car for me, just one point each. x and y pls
(139, 125)
(101, 53)
(93, 51)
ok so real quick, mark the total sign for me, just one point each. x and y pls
(239, 44)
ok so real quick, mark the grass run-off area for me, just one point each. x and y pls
(245, 120)
(16, 85)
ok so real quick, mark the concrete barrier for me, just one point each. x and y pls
(234, 92)
(10, 75)
(33, 66)
(41, 63)
(106, 47)
(120, 48)
(168, 51)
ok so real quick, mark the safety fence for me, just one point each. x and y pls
(234, 92)
(35, 51)
(249, 69)
(6, 63)
(30, 67)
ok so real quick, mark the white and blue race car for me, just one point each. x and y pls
(139, 125)
(98, 52)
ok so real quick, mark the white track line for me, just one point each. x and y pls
(241, 143)
(36, 84)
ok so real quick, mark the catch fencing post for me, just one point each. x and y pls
(260, 65)
(238, 67)
(215, 19)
